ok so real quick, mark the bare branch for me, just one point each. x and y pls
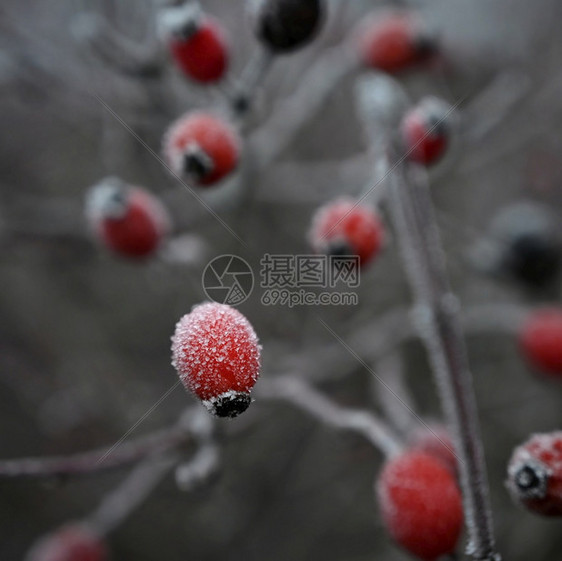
(305, 397)
(89, 462)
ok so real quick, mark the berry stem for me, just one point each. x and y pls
(439, 326)
(251, 79)
(305, 397)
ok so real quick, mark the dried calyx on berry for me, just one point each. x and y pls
(285, 25)
(202, 147)
(217, 356)
(126, 219)
(535, 474)
(196, 41)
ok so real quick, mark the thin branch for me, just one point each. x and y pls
(288, 120)
(391, 371)
(131, 493)
(141, 481)
(439, 326)
(252, 77)
(113, 48)
(440, 329)
(84, 463)
(306, 398)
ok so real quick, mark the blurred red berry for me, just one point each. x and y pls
(202, 147)
(344, 227)
(540, 340)
(535, 474)
(421, 505)
(426, 132)
(394, 41)
(128, 220)
(217, 356)
(435, 441)
(69, 543)
(197, 42)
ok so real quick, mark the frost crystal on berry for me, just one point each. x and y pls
(217, 356)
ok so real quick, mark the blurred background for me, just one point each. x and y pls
(85, 335)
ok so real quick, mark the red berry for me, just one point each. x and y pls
(435, 441)
(425, 132)
(344, 227)
(128, 220)
(540, 340)
(69, 543)
(535, 474)
(197, 42)
(217, 356)
(394, 41)
(202, 147)
(421, 505)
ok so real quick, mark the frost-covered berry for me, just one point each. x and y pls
(420, 504)
(540, 340)
(426, 132)
(344, 227)
(217, 356)
(394, 42)
(196, 41)
(69, 543)
(202, 147)
(535, 474)
(435, 441)
(128, 220)
(285, 25)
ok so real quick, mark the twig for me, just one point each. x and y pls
(391, 371)
(440, 328)
(134, 490)
(439, 325)
(252, 77)
(121, 53)
(137, 486)
(304, 396)
(89, 462)
(286, 122)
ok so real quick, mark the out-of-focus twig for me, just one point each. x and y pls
(319, 82)
(391, 371)
(94, 461)
(306, 398)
